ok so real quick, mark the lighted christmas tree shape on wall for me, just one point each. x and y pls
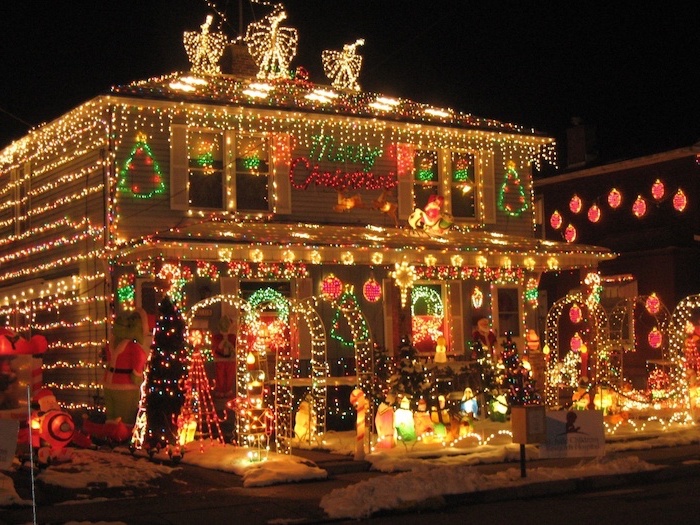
(139, 160)
(343, 67)
(272, 46)
(519, 387)
(162, 393)
(512, 184)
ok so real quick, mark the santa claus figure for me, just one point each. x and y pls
(431, 219)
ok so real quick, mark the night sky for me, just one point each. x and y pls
(626, 68)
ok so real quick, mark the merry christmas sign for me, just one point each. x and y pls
(573, 433)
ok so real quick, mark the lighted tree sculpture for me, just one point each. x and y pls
(198, 417)
(162, 393)
(139, 161)
(517, 384)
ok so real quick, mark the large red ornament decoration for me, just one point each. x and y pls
(680, 201)
(594, 213)
(655, 338)
(614, 198)
(575, 204)
(372, 290)
(570, 233)
(658, 190)
(331, 287)
(575, 314)
(555, 221)
(639, 207)
(653, 304)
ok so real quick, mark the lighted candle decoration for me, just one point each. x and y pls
(477, 297)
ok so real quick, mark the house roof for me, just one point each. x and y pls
(305, 96)
(302, 242)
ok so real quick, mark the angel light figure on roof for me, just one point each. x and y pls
(343, 67)
(272, 46)
(205, 49)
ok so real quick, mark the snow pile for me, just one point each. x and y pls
(409, 488)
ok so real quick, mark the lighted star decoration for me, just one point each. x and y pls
(205, 49)
(404, 276)
(272, 46)
(343, 67)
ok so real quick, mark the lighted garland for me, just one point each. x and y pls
(280, 271)
(495, 275)
(141, 150)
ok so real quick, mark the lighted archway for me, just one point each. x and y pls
(567, 370)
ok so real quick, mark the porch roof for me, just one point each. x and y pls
(363, 245)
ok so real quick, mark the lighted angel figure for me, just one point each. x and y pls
(205, 49)
(343, 67)
(272, 46)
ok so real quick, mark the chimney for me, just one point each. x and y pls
(238, 61)
(581, 144)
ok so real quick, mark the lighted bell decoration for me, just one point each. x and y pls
(614, 198)
(680, 201)
(575, 204)
(655, 338)
(652, 304)
(372, 290)
(639, 207)
(594, 214)
(658, 190)
(555, 221)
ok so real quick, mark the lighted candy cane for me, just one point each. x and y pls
(358, 400)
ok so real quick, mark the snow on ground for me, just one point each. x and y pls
(425, 468)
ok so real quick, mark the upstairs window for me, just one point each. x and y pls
(252, 173)
(462, 185)
(205, 153)
(426, 177)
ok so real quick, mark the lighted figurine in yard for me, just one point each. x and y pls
(305, 419)
(224, 350)
(51, 429)
(440, 351)
(422, 423)
(431, 219)
(486, 337)
(384, 421)
(403, 421)
(125, 361)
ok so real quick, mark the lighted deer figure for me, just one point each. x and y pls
(387, 207)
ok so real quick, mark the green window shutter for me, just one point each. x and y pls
(179, 197)
(488, 187)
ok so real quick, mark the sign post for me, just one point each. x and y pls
(528, 424)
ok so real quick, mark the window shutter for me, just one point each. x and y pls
(301, 340)
(488, 187)
(404, 174)
(456, 339)
(282, 187)
(389, 306)
(179, 197)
